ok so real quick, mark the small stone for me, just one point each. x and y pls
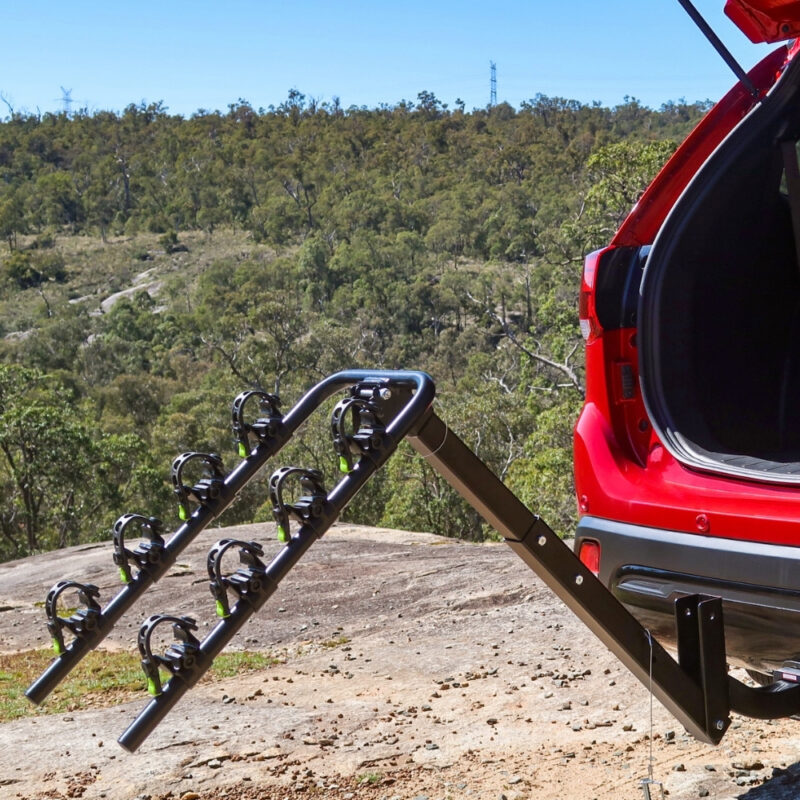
(215, 763)
(679, 768)
(514, 780)
(491, 721)
(703, 792)
(750, 766)
(431, 746)
(185, 796)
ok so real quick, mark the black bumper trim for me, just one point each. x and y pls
(647, 569)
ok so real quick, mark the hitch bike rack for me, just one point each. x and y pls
(379, 410)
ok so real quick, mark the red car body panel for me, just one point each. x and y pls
(622, 471)
(655, 526)
(765, 20)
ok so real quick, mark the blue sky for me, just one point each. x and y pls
(209, 54)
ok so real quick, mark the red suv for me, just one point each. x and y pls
(687, 450)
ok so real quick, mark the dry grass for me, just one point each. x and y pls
(102, 679)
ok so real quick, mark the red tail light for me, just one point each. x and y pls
(587, 312)
(590, 555)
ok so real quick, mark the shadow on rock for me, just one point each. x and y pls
(783, 785)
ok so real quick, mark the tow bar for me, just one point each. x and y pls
(379, 409)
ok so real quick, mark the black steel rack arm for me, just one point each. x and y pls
(407, 397)
(696, 688)
(271, 435)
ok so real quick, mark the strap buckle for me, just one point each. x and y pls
(180, 658)
(247, 582)
(81, 622)
(263, 428)
(307, 507)
(147, 553)
(206, 490)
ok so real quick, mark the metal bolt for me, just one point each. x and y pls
(719, 724)
(579, 579)
(385, 394)
(542, 541)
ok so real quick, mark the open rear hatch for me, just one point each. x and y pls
(719, 311)
(765, 20)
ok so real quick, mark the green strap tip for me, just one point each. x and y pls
(123, 576)
(221, 612)
(242, 450)
(343, 465)
(283, 536)
(57, 648)
(152, 688)
(183, 513)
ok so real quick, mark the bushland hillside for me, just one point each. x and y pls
(153, 266)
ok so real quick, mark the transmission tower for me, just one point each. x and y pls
(493, 92)
(66, 99)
